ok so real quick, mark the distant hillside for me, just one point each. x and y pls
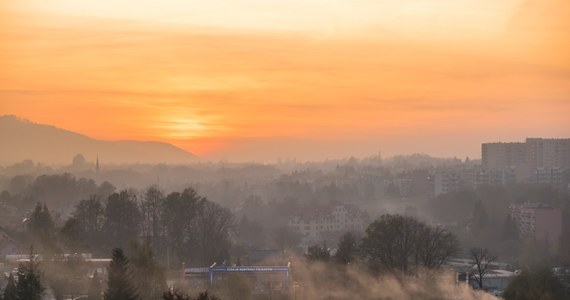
(21, 139)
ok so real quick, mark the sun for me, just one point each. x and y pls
(182, 128)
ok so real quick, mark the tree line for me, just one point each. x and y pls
(178, 227)
(124, 282)
(392, 244)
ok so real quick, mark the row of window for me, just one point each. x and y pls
(297, 222)
(331, 227)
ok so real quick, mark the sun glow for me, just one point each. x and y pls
(232, 78)
(182, 128)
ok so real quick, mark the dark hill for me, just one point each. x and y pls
(21, 139)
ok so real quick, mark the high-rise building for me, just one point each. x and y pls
(551, 176)
(504, 176)
(535, 153)
(503, 155)
(548, 153)
(537, 160)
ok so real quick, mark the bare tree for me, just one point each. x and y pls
(483, 258)
(434, 247)
(178, 216)
(405, 244)
(151, 207)
(122, 219)
(390, 241)
(213, 225)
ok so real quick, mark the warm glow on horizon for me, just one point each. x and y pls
(258, 80)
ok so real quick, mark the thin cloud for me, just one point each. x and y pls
(190, 85)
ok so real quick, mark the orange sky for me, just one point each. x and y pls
(248, 80)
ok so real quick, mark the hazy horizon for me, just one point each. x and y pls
(17, 127)
(91, 155)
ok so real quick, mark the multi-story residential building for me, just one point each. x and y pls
(445, 181)
(534, 153)
(537, 160)
(503, 155)
(495, 176)
(403, 186)
(551, 176)
(322, 223)
(548, 153)
(539, 221)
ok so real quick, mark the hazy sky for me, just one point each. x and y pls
(260, 80)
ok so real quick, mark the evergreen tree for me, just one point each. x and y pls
(120, 285)
(72, 235)
(539, 283)
(10, 290)
(94, 288)
(148, 274)
(317, 253)
(29, 286)
(177, 295)
(347, 248)
(41, 228)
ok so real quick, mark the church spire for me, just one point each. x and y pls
(97, 164)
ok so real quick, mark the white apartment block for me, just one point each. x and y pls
(445, 182)
(322, 223)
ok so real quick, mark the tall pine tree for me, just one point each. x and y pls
(120, 285)
(29, 286)
(41, 228)
(10, 290)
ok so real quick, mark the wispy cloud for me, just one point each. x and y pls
(211, 88)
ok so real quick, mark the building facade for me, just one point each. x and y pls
(328, 222)
(534, 153)
(445, 181)
(537, 160)
(503, 155)
(548, 153)
(537, 220)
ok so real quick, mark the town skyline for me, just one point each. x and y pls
(20, 134)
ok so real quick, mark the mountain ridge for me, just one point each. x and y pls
(24, 139)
